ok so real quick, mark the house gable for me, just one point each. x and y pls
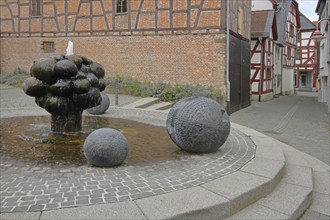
(263, 33)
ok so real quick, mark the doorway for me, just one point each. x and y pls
(239, 74)
(305, 81)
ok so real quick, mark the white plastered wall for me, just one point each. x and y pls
(261, 5)
(287, 81)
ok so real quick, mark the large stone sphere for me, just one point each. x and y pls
(101, 108)
(198, 125)
(106, 147)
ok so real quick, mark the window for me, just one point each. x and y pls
(298, 37)
(298, 54)
(322, 58)
(291, 30)
(121, 6)
(288, 53)
(48, 46)
(277, 54)
(35, 8)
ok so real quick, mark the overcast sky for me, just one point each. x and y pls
(307, 7)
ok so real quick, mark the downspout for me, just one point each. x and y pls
(297, 79)
(273, 69)
(261, 73)
(282, 70)
(227, 57)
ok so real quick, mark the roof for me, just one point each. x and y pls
(296, 6)
(320, 7)
(262, 22)
(281, 14)
(306, 24)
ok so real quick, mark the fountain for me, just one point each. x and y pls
(65, 86)
(39, 157)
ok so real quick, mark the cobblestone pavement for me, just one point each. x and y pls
(300, 121)
(29, 187)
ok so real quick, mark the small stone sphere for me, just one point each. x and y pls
(198, 125)
(106, 147)
(101, 108)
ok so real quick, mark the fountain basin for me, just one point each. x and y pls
(84, 185)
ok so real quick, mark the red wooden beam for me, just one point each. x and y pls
(254, 50)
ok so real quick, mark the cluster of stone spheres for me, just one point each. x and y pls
(67, 85)
(195, 124)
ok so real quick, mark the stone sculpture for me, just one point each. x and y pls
(65, 86)
(106, 147)
(198, 125)
(101, 108)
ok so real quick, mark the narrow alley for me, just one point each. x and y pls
(299, 121)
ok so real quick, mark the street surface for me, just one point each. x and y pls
(299, 121)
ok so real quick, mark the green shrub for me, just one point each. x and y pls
(172, 93)
(135, 88)
(16, 78)
(165, 91)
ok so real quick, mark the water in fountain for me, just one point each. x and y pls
(30, 139)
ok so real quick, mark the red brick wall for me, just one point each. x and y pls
(177, 41)
(196, 59)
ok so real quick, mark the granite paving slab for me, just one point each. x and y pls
(189, 204)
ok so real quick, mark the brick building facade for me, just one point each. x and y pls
(176, 41)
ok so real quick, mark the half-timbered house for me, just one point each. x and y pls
(306, 57)
(263, 35)
(272, 64)
(174, 41)
(288, 15)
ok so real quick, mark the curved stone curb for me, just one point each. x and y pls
(297, 193)
(152, 117)
(216, 199)
(224, 196)
(26, 111)
(289, 200)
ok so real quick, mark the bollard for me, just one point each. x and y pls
(116, 97)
